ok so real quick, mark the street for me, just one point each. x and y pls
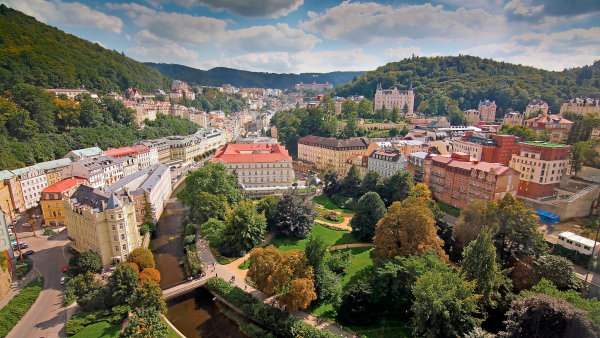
(47, 317)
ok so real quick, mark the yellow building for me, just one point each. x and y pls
(52, 206)
(5, 203)
(16, 200)
(53, 169)
(326, 153)
(102, 223)
(185, 148)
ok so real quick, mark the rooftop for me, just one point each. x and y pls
(92, 151)
(251, 153)
(545, 144)
(335, 143)
(64, 185)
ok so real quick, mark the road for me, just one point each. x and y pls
(46, 318)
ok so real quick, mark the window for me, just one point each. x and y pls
(116, 248)
(113, 227)
(115, 238)
(124, 246)
(121, 226)
(122, 237)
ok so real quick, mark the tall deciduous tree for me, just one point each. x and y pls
(149, 295)
(370, 209)
(473, 218)
(408, 228)
(333, 180)
(295, 215)
(245, 227)
(268, 205)
(558, 270)
(479, 265)
(209, 206)
(212, 178)
(145, 323)
(396, 187)
(445, 305)
(351, 183)
(365, 108)
(371, 182)
(122, 285)
(143, 257)
(86, 261)
(212, 231)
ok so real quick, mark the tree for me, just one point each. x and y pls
(338, 261)
(301, 293)
(38, 103)
(351, 129)
(333, 180)
(89, 292)
(455, 116)
(91, 113)
(143, 257)
(86, 261)
(472, 219)
(212, 231)
(209, 206)
(370, 209)
(558, 270)
(268, 206)
(148, 213)
(351, 183)
(395, 114)
(122, 285)
(396, 187)
(145, 323)
(67, 113)
(365, 108)
(371, 182)
(546, 316)
(151, 274)
(578, 155)
(358, 306)
(445, 305)
(149, 295)
(295, 215)
(328, 285)
(408, 228)
(349, 106)
(479, 265)
(212, 178)
(21, 126)
(245, 228)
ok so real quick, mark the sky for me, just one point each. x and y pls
(293, 36)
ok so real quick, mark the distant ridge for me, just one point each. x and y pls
(242, 78)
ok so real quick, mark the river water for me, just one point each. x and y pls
(193, 314)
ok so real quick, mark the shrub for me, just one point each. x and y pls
(82, 319)
(144, 229)
(187, 240)
(49, 232)
(24, 267)
(16, 308)
(191, 261)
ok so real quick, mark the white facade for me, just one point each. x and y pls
(158, 189)
(387, 164)
(391, 98)
(99, 171)
(33, 181)
(473, 149)
(533, 169)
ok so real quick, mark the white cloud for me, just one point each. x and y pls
(367, 22)
(555, 51)
(150, 47)
(248, 8)
(67, 13)
(278, 38)
(325, 61)
(402, 52)
(535, 11)
(181, 28)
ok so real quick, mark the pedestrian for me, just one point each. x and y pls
(245, 287)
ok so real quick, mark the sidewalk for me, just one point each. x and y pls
(18, 285)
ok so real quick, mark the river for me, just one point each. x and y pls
(194, 314)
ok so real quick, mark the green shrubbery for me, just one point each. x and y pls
(16, 308)
(281, 323)
(191, 261)
(81, 319)
(22, 268)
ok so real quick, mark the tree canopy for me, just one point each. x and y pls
(212, 178)
(294, 215)
(370, 209)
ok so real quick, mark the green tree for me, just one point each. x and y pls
(212, 231)
(365, 108)
(295, 215)
(578, 155)
(357, 306)
(349, 106)
(455, 116)
(89, 292)
(268, 206)
(370, 209)
(21, 126)
(148, 212)
(209, 206)
(371, 182)
(145, 323)
(91, 113)
(149, 295)
(245, 228)
(473, 218)
(338, 261)
(212, 178)
(86, 261)
(351, 129)
(558, 270)
(350, 185)
(328, 285)
(396, 187)
(122, 285)
(445, 305)
(395, 114)
(38, 103)
(333, 182)
(479, 265)
(404, 131)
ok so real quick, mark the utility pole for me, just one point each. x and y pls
(15, 230)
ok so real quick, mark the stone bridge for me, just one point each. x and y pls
(183, 287)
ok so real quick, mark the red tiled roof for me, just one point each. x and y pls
(63, 185)
(141, 149)
(499, 169)
(252, 153)
(123, 151)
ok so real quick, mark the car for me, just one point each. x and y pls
(65, 268)
(28, 253)
(23, 245)
(62, 280)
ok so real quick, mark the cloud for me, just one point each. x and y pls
(150, 47)
(180, 28)
(247, 8)
(555, 51)
(279, 38)
(535, 11)
(324, 61)
(367, 22)
(67, 14)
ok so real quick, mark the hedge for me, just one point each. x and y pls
(280, 322)
(16, 308)
(82, 319)
(24, 267)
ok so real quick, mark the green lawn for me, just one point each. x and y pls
(171, 333)
(447, 208)
(384, 328)
(327, 203)
(245, 264)
(100, 329)
(331, 237)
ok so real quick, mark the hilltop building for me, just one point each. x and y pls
(555, 127)
(513, 118)
(391, 98)
(583, 106)
(319, 87)
(537, 106)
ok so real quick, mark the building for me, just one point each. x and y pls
(583, 106)
(513, 118)
(143, 155)
(51, 200)
(5, 244)
(330, 153)
(33, 180)
(185, 148)
(387, 162)
(541, 166)
(257, 139)
(70, 93)
(261, 168)
(404, 147)
(163, 150)
(98, 171)
(492, 148)
(537, 106)
(319, 87)
(415, 165)
(53, 169)
(394, 98)
(360, 161)
(456, 180)
(102, 223)
(472, 117)
(555, 127)
(83, 153)
(487, 110)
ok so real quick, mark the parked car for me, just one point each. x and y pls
(23, 245)
(62, 280)
(65, 268)
(28, 253)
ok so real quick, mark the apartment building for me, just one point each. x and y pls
(326, 153)
(415, 165)
(143, 155)
(387, 162)
(261, 168)
(78, 154)
(487, 110)
(102, 223)
(583, 106)
(185, 148)
(12, 184)
(404, 147)
(162, 149)
(537, 106)
(53, 169)
(513, 118)
(5, 244)
(51, 201)
(492, 148)
(33, 180)
(98, 171)
(555, 127)
(394, 98)
(472, 117)
(360, 161)
(541, 166)
(456, 180)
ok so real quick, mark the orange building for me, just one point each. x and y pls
(455, 180)
(52, 196)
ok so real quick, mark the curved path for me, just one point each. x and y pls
(341, 226)
(349, 246)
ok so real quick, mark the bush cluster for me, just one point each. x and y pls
(81, 319)
(16, 308)
(24, 267)
(281, 323)
(191, 261)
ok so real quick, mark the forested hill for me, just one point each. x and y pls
(241, 78)
(465, 80)
(34, 53)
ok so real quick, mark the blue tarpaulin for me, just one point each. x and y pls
(547, 217)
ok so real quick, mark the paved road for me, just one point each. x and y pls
(47, 317)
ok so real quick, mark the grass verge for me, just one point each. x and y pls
(18, 306)
(245, 264)
(447, 208)
(100, 329)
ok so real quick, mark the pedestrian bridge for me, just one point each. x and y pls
(183, 287)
